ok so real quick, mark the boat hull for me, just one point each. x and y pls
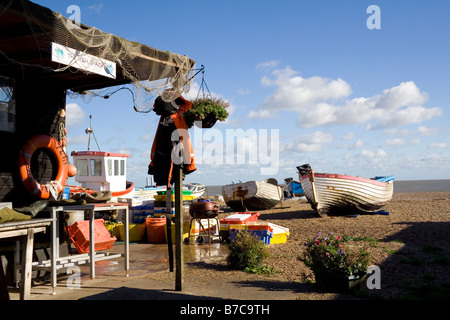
(295, 188)
(335, 194)
(252, 195)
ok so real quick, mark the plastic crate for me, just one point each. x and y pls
(162, 197)
(136, 232)
(79, 234)
(280, 234)
(139, 213)
(240, 218)
(185, 192)
(251, 226)
(264, 235)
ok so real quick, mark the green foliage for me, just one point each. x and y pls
(247, 252)
(207, 107)
(327, 254)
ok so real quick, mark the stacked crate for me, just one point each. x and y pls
(267, 232)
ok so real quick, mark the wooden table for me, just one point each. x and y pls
(57, 262)
(25, 230)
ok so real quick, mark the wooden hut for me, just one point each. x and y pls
(34, 80)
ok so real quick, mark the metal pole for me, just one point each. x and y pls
(169, 225)
(179, 230)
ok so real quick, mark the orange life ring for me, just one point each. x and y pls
(52, 145)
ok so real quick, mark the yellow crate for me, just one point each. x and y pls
(186, 225)
(279, 238)
(135, 232)
(280, 234)
(162, 197)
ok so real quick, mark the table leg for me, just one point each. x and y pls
(27, 260)
(4, 294)
(54, 254)
(127, 243)
(16, 268)
(92, 241)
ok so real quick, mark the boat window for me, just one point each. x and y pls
(7, 105)
(96, 167)
(116, 167)
(110, 167)
(82, 167)
(122, 167)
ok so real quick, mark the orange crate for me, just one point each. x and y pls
(79, 234)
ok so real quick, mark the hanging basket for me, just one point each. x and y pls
(209, 122)
(207, 111)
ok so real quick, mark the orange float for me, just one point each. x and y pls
(48, 190)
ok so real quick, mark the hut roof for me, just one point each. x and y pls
(29, 31)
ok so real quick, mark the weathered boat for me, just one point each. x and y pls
(252, 195)
(340, 194)
(197, 189)
(294, 187)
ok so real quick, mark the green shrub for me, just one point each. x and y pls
(247, 252)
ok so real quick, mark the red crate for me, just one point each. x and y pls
(79, 234)
(241, 218)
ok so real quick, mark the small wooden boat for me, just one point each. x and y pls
(294, 187)
(197, 189)
(342, 194)
(252, 195)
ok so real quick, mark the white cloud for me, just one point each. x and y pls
(75, 115)
(97, 8)
(349, 136)
(396, 142)
(438, 145)
(317, 101)
(427, 131)
(359, 144)
(373, 154)
(308, 142)
(243, 92)
(268, 64)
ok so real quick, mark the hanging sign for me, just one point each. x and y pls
(83, 61)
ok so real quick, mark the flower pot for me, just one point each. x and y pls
(208, 122)
(338, 281)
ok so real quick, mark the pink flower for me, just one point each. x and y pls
(328, 255)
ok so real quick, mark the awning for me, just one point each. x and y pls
(28, 30)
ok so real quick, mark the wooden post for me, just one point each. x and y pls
(169, 225)
(27, 259)
(4, 294)
(179, 231)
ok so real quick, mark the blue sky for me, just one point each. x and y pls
(343, 97)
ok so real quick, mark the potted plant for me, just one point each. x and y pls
(334, 265)
(208, 111)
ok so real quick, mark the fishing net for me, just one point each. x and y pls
(151, 72)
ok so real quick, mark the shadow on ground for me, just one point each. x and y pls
(126, 293)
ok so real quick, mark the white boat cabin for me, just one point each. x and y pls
(101, 171)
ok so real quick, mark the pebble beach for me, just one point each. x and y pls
(411, 245)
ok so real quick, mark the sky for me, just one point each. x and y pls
(343, 86)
